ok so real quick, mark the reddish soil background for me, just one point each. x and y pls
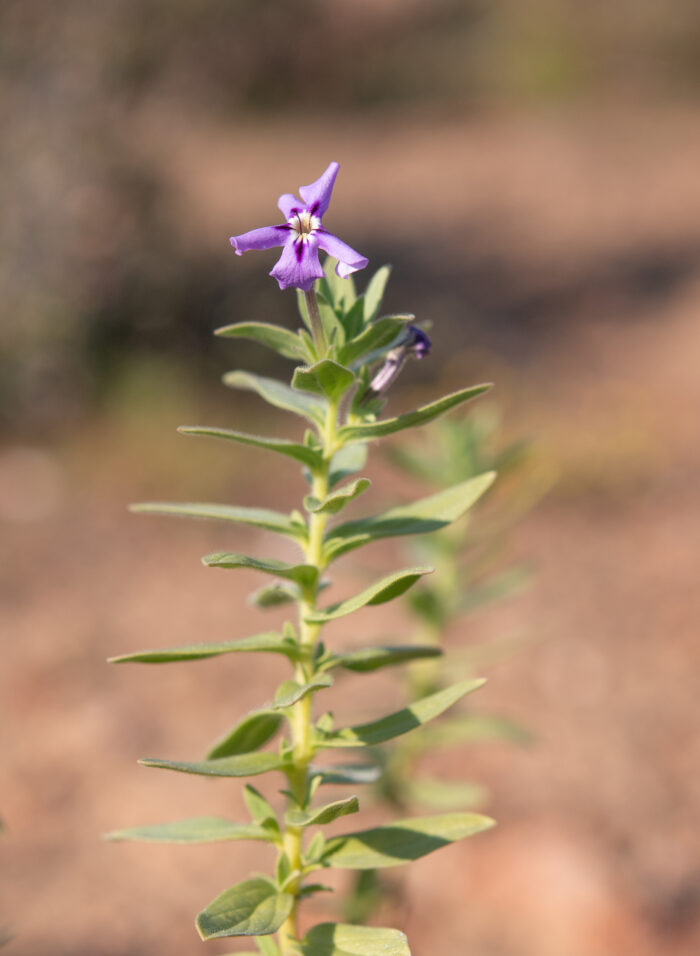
(597, 849)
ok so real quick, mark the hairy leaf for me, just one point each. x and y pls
(251, 733)
(278, 394)
(347, 461)
(401, 721)
(402, 842)
(281, 340)
(337, 500)
(302, 453)
(269, 642)
(302, 574)
(290, 691)
(241, 765)
(366, 659)
(322, 815)
(196, 830)
(375, 338)
(326, 378)
(421, 416)
(258, 517)
(252, 908)
(381, 591)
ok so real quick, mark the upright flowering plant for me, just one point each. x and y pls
(345, 359)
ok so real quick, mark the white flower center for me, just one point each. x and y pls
(304, 224)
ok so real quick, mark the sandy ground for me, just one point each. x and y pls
(597, 849)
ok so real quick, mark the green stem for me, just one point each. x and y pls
(317, 331)
(302, 715)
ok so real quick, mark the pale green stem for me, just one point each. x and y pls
(317, 331)
(302, 717)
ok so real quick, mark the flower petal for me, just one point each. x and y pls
(317, 196)
(265, 238)
(348, 260)
(298, 265)
(288, 204)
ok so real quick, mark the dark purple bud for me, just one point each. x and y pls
(420, 343)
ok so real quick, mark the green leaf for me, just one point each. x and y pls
(366, 659)
(402, 842)
(302, 453)
(349, 773)
(339, 939)
(278, 394)
(269, 642)
(386, 589)
(251, 908)
(197, 830)
(375, 292)
(290, 691)
(444, 794)
(401, 721)
(421, 416)
(347, 461)
(258, 807)
(302, 574)
(375, 338)
(339, 291)
(322, 815)
(281, 340)
(353, 319)
(274, 595)
(252, 733)
(267, 946)
(257, 517)
(474, 728)
(337, 500)
(241, 765)
(420, 517)
(326, 378)
(329, 318)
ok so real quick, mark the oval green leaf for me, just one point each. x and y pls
(278, 394)
(335, 502)
(252, 733)
(338, 939)
(241, 765)
(303, 574)
(307, 456)
(322, 815)
(252, 908)
(274, 337)
(366, 659)
(326, 378)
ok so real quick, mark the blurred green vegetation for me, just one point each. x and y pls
(96, 266)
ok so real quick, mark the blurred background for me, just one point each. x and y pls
(531, 171)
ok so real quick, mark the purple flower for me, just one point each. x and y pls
(302, 235)
(414, 343)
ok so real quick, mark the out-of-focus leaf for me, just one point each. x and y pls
(241, 765)
(380, 592)
(270, 642)
(420, 517)
(267, 946)
(402, 842)
(302, 453)
(474, 728)
(339, 939)
(337, 500)
(351, 773)
(401, 721)
(196, 830)
(322, 815)
(278, 394)
(366, 659)
(445, 794)
(347, 461)
(257, 517)
(375, 292)
(421, 416)
(251, 733)
(252, 908)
